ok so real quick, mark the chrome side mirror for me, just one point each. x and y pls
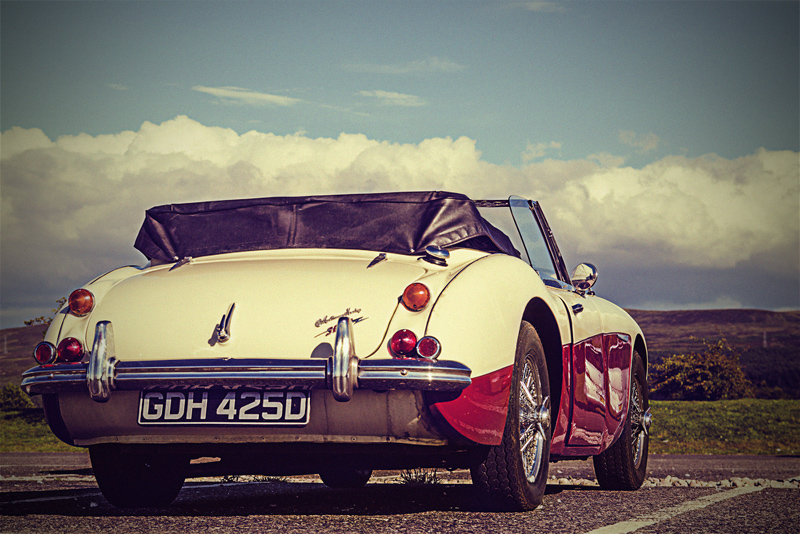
(583, 278)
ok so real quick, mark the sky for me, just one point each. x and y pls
(662, 138)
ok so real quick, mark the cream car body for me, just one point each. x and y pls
(294, 349)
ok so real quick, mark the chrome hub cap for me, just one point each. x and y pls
(534, 421)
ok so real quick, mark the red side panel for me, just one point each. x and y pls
(561, 425)
(619, 350)
(479, 413)
(594, 399)
(599, 396)
(589, 409)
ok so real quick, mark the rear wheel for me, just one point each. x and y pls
(137, 480)
(513, 476)
(345, 476)
(623, 466)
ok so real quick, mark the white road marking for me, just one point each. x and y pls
(668, 513)
(62, 498)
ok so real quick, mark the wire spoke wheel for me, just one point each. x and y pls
(513, 475)
(623, 465)
(638, 433)
(534, 419)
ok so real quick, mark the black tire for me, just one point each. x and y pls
(137, 480)
(513, 475)
(623, 466)
(345, 476)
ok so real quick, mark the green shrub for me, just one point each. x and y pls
(714, 374)
(41, 319)
(13, 398)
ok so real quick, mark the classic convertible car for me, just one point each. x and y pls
(341, 334)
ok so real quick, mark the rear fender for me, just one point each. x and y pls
(82, 328)
(477, 318)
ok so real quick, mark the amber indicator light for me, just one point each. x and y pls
(416, 296)
(81, 302)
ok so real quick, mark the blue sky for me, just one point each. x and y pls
(704, 77)
(698, 101)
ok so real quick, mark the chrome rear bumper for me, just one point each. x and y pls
(341, 373)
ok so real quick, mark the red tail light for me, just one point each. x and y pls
(70, 350)
(429, 348)
(403, 342)
(44, 353)
(81, 302)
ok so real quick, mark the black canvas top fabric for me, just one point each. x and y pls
(403, 223)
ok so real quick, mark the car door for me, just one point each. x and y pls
(588, 349)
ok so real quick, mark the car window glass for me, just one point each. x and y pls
(501, 218)
(532, 237)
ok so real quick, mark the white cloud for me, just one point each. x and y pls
(18, 140)
(72, 207)
(645, 143)
(604, 159)
(428, 65)
(706, 212)
(539, 150)
(389, 98)
(239, 95)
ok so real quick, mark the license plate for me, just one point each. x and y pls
(224, 407)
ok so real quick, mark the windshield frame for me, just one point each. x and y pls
(520, 208)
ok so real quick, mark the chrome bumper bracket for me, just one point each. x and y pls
(345, 362)
(100, 373)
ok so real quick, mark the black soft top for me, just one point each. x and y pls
(402, 223)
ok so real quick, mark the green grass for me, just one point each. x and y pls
(25, 430)
(747, 426)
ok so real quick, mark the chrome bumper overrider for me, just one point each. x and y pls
(341, 373)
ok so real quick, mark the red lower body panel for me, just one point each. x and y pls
(594, 399)
(561, 424)
(590, 414)
(479, 413)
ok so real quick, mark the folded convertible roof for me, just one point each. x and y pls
(403, 223)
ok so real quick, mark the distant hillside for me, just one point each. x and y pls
(769, 341)
(16, 351)
(672, 331)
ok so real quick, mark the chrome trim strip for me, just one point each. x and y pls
(180, 263)
(342, 373)
(376, 374)
(426, 375)
(54, 379)
(223, 372)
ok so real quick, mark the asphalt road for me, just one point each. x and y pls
(42, 493)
